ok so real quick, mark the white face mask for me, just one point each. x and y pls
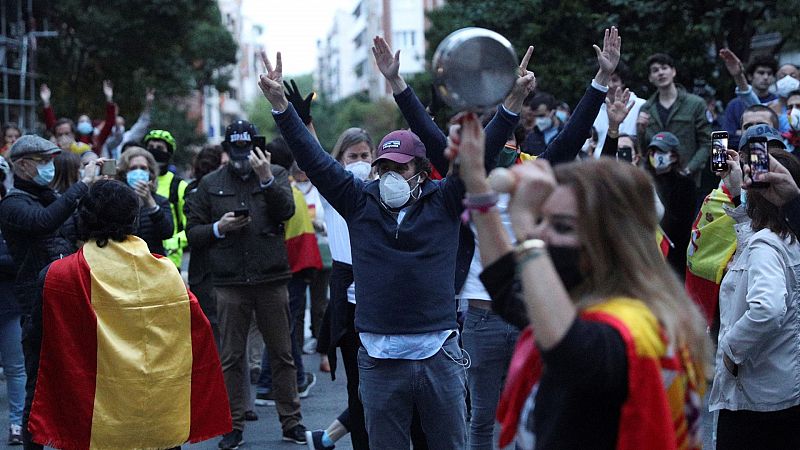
(395, 190)
(544, 123)
(661, 161)
(794, 119)
(360, 169)
(786, 86)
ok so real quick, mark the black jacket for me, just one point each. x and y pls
(253, 254)
(31, 227)
(153, 228)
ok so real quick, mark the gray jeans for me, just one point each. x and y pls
(235, 307)
(436, 386)
(490, 342)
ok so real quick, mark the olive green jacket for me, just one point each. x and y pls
(687, 121)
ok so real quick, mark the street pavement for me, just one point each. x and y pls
(326, 400)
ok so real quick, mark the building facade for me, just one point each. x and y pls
(345, 62)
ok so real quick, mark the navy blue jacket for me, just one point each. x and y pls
(563, 148)
(732, 120)
(403, 273)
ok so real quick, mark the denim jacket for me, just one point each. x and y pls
(759, 324)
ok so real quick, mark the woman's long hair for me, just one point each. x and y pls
(764, 214)
(617, 227)
(68, 169)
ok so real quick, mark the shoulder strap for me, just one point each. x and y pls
(174, 185)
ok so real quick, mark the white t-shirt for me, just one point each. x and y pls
(628, 126)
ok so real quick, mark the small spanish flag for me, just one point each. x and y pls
(128, 359)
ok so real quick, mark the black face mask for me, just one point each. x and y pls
(159, 155)
(567, 263)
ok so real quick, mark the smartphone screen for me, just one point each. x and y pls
(109, 168)
(758, 158)
(241, 212)
(260, 142)
(719, 145)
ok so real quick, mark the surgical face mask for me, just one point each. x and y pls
(566, 261)
(786, 85)
(507, 156)
(561, 115)
(743, 197)
(661, 161)
(794, 119)
(85, 128)
(136, 175)
(544, 123)
(45, 172)
(359, 169)
(395, 190)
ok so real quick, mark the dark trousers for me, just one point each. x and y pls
(30, 350)
(297, 305)
(758, 430)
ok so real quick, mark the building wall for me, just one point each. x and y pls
(346, 65)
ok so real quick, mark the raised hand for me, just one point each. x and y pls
(735, 68)
(260, 162)
(782, 187)
(608, 56)
(533, 183)
(271, 83)
(733, 177)
(44, 94)
(523, 86)
(142, 189)
(618, 109)
(301, 105)
(108, 90)
(149, 96)
(468, 143)
(388, 64)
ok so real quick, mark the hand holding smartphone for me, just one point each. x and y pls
(260, 142)
(758, 160)
(109, 168)
(719, 146)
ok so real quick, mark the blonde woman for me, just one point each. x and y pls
(138, 169)
(616, 361)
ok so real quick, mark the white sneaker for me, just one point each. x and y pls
(310, 347)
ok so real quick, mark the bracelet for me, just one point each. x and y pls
(528, 251)
(481, 202)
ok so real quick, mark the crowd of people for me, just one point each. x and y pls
(535, 277)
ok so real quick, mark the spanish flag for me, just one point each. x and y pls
(712, 245)
(127, 358)
(301, 241)
(665, 388)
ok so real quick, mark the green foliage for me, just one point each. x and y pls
(173, 45)
(331, 119)
(563, 33)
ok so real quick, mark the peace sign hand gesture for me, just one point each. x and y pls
(271, 83)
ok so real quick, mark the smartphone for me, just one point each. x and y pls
(758, 159)
(625, 154)
(243, 212)
(719, 146)
(109, 168)
(260, 142)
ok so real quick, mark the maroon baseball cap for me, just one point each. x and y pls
(400, 146)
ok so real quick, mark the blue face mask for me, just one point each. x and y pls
(45, 173)
(562, 116)
(85, 128)
(137, 175)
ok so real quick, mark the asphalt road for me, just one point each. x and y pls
(326, 400)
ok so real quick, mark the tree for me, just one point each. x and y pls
(563, 32)
(173, 45)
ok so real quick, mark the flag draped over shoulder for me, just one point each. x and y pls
(665, 388)
(128, 359)
(712, 245)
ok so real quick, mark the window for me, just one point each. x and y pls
(359, 40)
(359, 69)
(357, 11)
(405, 39)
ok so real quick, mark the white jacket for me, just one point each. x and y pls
(759, 324)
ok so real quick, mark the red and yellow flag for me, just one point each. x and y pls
(128, 359)
(712, 245)
(301, 241)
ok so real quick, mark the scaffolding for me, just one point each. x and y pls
(18, 75)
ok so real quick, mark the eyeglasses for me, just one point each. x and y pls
(41, 159)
